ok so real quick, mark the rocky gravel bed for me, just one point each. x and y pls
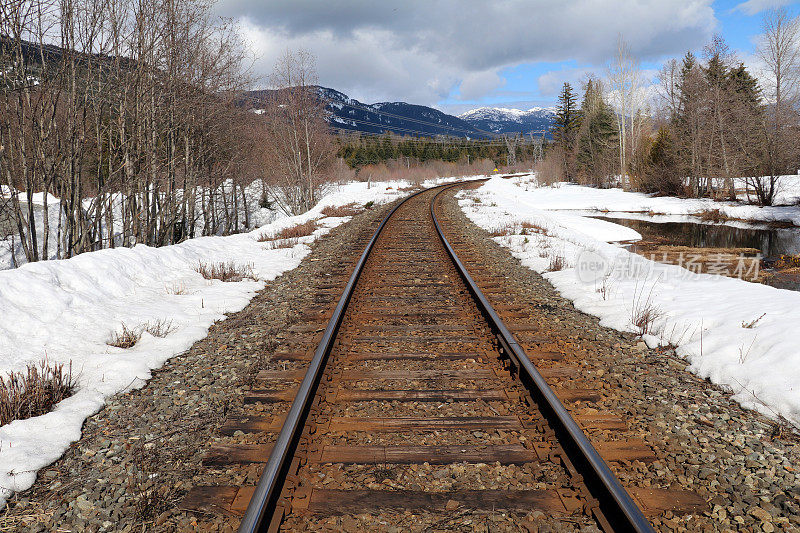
(140, 455)
(744, 464)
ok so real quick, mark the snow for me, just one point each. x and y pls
(504, 113)
(567, 196)
(66, 310)
(702, 315)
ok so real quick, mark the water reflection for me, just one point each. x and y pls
(772, 242)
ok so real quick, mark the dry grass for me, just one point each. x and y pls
(644, 312)
(128, 337)
(159, 328)
(522, 228)
(282, 243)
(125, 338)
(229, 271)
(349, 210)
(177, 289)
(293, 232)
(712, 215)
(751, 324)
(557, 262)
(34, 391)
(528, 228)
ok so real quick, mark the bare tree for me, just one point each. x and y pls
(625, 80)
(299, 145)
(779, 49)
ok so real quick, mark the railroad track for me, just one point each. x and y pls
(419, 408)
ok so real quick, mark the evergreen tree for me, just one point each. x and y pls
(567, 119)
(597, 136)
(745, 85)
(565, 128)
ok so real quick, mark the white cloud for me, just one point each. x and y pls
(420, 50)
(752, 7)
(478, 84)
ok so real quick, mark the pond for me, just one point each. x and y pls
(772, 242)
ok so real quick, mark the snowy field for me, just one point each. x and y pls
(566, 196)
(66, 311)
(713, 321)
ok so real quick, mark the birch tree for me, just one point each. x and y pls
(779, 49)
(625, 86)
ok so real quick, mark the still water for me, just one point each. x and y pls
(772, 242)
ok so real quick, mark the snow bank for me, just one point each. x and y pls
(703, 315)
(66, 311)
(567, 196)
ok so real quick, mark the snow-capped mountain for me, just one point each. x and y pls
(401, 118)
(505, 120)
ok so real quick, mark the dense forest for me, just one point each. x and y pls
(360, 150)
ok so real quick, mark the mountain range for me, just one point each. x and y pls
(504, 120)
(402, 118)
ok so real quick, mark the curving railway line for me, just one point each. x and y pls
(419, 404)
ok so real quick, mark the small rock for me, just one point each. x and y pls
(451, 505)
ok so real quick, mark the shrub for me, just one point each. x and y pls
(159, 328)
(125, 338)
(644, 312)
(369, 205)
(712, 215)
(35, 391)
(293, 232)
(177, 289)
(349, 210)
(557, 262)
(282, 243)
(229, 271)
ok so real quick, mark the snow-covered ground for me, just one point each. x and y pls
(566, 196)
(712, 320)
(66, 311)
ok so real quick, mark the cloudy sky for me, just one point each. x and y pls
(461, 54)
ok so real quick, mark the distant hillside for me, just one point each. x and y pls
(501, 120)
(401, 118)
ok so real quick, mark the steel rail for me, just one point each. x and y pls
(613, 500)
(266, 496)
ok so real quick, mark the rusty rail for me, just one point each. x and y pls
(612, 501)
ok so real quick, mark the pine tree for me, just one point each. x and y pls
(597, 136)
(567, 119)
(745, 85)
(565, 128)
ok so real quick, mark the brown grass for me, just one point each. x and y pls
(125, 338)
(177, 289)
(159, 328)
(557, 262)
(349, 210)
(644, 312)
(128, 337)
(229, 271)
(523, 228)
(712, 215)
(34, 391)
(282, 243)
(293, 232)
